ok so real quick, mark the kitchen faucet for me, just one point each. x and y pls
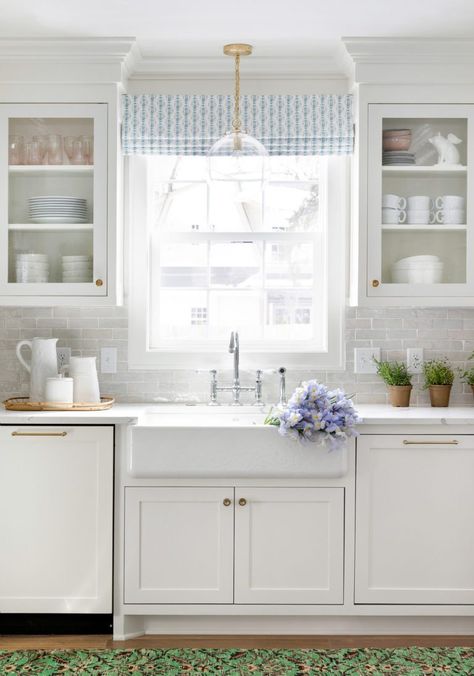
(236, 388)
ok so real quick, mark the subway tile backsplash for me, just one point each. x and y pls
(440, 331)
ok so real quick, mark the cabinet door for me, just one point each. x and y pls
(414, 530)
(289, 545)
(56, 495)
(178, 545)
(53, 201)
(423, 249)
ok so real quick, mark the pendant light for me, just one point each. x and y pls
(237, 156)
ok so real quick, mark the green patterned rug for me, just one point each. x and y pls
(235, 662)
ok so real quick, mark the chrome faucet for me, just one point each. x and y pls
(283, 400)
(234, 349)
(236, 388)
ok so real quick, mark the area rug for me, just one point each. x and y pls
(235, 662)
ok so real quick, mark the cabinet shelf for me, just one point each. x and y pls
(36, 170)
(423, 171)
(50, 227)
(433, 227)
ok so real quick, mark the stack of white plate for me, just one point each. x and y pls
(418, 270)
(57, 209)
(77, 269)
(32, 268)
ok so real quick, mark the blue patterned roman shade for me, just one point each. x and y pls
(189, 125)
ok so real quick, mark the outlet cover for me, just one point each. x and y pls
(108, 360)
(415, 359)
(64, 357)
(364, 359)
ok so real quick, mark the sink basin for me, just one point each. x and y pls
(223, 442)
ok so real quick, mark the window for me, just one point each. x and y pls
(212, 257)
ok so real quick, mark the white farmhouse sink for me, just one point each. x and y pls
(223, 442)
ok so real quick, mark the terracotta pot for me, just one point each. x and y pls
(439, 395)
(400, 395)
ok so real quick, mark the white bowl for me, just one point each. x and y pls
(421, 276)
(80, 265)
(413, 259)
(32, 267)
(76, 259)
(32, 257)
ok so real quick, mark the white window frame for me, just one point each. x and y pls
(140, 355)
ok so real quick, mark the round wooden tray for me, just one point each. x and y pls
(24, 404)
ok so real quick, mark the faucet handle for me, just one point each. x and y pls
(259, 375)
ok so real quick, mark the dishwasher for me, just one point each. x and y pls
(56, 518)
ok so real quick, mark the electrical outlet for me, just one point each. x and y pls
(108, 360)
(64, 357)
(415, 359)
(364, 359)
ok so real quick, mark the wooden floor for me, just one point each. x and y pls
(241, 641)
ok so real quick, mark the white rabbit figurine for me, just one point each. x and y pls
(446, 148)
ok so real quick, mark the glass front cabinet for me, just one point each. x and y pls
(53, 202)
(420, 203)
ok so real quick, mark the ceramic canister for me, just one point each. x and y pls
(60, 390)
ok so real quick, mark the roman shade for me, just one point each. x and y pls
(189, 124)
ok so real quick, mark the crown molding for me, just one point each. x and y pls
(50, 59)
(151, 67)
(415, 60)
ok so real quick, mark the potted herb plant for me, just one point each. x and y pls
(398, 380)
(467, 376)
(439, 377)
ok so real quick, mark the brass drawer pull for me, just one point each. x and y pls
(226, 502)
(39, 434)
(242, 502)
(453, 442)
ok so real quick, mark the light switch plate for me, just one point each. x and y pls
(364, 359)
(108, 360)
(64, 357)
(415, 359)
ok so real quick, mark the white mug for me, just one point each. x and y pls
(451, 216)
(450, 202)
(393, 202)
(393, 216)
(420, 217)
(420, 203)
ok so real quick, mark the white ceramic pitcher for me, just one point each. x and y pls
(43, 365)
(86, 383)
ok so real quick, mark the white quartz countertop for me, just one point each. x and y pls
(376, 414)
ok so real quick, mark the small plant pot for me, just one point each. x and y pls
(400, 395)
(439, 395)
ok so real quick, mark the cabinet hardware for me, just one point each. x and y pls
(99, 282)
(242, 502)
(39, 434)
(454, 442)
(226, 502)
(375, 282)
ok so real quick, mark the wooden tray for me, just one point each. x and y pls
(24, 404)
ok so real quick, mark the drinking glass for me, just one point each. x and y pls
(55, 149)
(16, 150)
(43, 146)
(32, 153)
(77, 155)
(88, 146)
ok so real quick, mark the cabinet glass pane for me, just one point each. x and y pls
(424, 194)
(50, 200)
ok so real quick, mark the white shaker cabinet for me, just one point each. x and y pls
(57, 191)
(414, 519)
(289, 545)
(56, 506)
(412, 245)
(179, 545)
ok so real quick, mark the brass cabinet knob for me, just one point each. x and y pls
(99, 282)
(226, 502)
(242, 502)
(375, 282)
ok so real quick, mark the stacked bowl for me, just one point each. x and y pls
(396, 144)
(418, 270)
(32, 268)
(76, 269)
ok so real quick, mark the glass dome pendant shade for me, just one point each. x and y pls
(237, 156)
